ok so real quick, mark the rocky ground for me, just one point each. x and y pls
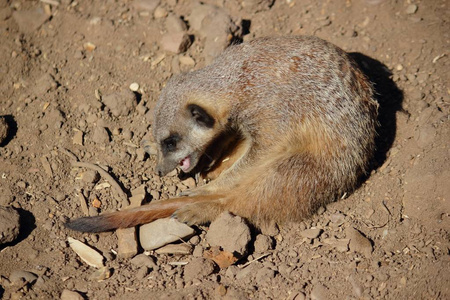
(78, 84)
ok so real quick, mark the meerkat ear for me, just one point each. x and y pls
(201, 116)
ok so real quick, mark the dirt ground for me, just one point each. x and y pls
(61, 60)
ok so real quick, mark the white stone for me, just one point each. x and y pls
(162, 232)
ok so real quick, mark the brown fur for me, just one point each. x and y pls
(283, 126)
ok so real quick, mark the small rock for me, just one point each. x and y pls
(9, 224)
(147, 5)
(134, 86)
(71, 295)
(4, 129)
(311, 233)
(358, 242)
(86, 253)
(187, 61)
(337, 219)
(174, 24)
(101, 274)
(127, 244)
(176, 249)
(160, 12)
(30, 20)
(90, 176)
(198, 268)
(263, 243)
(229, 232)
(411, 9)
(17, 275)
(121, 104)
(254, 6)
(162, 232)
(100, 135)
(340, 245)
(319, 292)
(78, 138)
(142, 272)
(144, 260)
(45, 84)
(176, 42)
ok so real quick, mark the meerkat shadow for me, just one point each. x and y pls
(389, 98)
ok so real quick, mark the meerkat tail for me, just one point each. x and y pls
(131, 217)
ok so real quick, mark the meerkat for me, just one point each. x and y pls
(281, 125)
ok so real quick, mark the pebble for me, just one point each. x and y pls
(90, 176)
(358, 242)
(9, 224)
(71, 295)
(340, 245)
(143, 260)
(101, 274)
(142, 272)
(78, 138)
(4, 129)
(120, 104)
(162, 232)
(229, 232)
(30, 20)
(198, 268)
(263, 243)
(411, 9)
(176, 42)
(160, 12)
(134, 87)
(311, 233)
(127, 243)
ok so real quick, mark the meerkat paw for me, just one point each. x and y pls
(198, 213)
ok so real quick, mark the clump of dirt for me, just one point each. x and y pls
(79, 82)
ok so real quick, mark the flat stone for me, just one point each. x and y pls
(311, 233)
(229, 232)
(162, 232)
(17, 275)
(143, 260)
(127, 243)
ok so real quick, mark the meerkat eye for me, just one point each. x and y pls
(170, 143)
(201, 116)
